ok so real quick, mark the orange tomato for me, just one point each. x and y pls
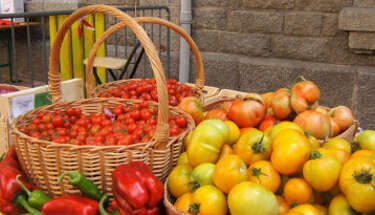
(183, 203)
(267, 98)
(267, 122)
(339, 143)
(242, 130)
(263, 173)
(226, 150)
(291, 150)
(229, 171)
(217, 114)
(281, 104)
(297, 190)
(234, 132)
(283, 206)
(306, 209)
(362, 153)
(304, 94)
(340, 154)
(322, 210)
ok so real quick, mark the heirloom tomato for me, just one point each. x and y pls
(183, 203)
(313, 141)
(217, 114)
(282, 126)
(281, 104)
(283, 206)
(194, 107)
(357, 182)
(226, 150)
(183, 159)
(234, 132)
(314, 123)
(339, 143)
(340, 154)
(366, 140)
(322, 210)
(335, 128)
(202, 175)
(305, 209)
(247, 112)
(253, 146)
(340, 206)
(206, 141)
(179, 180)
(251, 198)
(229, 171)
(304, 94)
(267, 122)
(208, 200)
(343, 116)
(267, 98)
(322, 171)
(291, 150)
(263, 173)
(297, 191)
(362, 153)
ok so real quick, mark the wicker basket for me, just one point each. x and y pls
(229, 95)
(43, 161)
(4, 123)
(198, 88)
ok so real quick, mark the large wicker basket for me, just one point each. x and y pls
(43, 161)
(198, 88)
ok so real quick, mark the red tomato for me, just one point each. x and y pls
(58, 121)
(126, 140)
(135, 114)
(180, 121)
(248, 112)
(217, 114)
(267, 122)
(70, 111)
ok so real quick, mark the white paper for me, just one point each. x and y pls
(22, 104)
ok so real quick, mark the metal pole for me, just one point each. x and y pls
(185, 20)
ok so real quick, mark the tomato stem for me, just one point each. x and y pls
(257, 172)
(194, 186)
(258, 147)
(355, 146)
(363, 177)
(315, 155)
(194, 208)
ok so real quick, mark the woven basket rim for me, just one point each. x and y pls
(14, 126)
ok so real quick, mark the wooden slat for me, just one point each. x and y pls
(23, 24)
(108, 62)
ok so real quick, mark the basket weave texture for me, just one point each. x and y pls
(198, 88)
(43, 161)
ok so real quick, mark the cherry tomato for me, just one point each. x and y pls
(126, 140)
(58, 120)
(181, 121)
(70, 111)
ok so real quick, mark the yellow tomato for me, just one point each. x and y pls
(209, 200)
(314, 142)
(322, 210)
(263, 173)
(283, 206)
(357, 182)
(267, 132)
(291, 150)
(284, 125)
(362, 153)
(340, 154)
(340, 143)
(229, 171)
(179, 180)
(234, 132)
(226, 150)
(297, 190)
(251, 198)
(184, 202)
(340, 206)
(253, 146)
(183, 159)
(306, 209)
(322, 171)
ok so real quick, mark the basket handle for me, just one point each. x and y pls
(162, 129)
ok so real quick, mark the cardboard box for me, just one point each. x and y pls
(12, 6)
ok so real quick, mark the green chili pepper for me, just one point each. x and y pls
(87, 187)
(101, 207)
(20, 200)
(36, 198)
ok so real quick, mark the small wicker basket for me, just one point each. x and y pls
(198, 88)
(43, 161)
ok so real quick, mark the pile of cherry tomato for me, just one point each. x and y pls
(146, 90)
(122, 125)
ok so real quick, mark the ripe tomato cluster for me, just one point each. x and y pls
(146, 90)
(122, 125)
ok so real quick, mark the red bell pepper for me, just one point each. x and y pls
(136, 190)
(9, 169)
(69, 205)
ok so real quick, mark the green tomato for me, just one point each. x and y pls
(202, 175)
(366, 140)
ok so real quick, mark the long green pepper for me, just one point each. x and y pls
(87, 187)
(36, 198)
(102, 209)
(20, 200)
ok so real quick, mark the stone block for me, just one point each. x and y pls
(330, 26)
(362, 40)
(357, 19)
(210, 3)
(365, 97)
(206, 40)
(303, 23)
(35, 5)
(364, 3)
(268, 4)
(244, 44)
(322, 5)
(209, 18)
(263, 75)
(255, 21)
